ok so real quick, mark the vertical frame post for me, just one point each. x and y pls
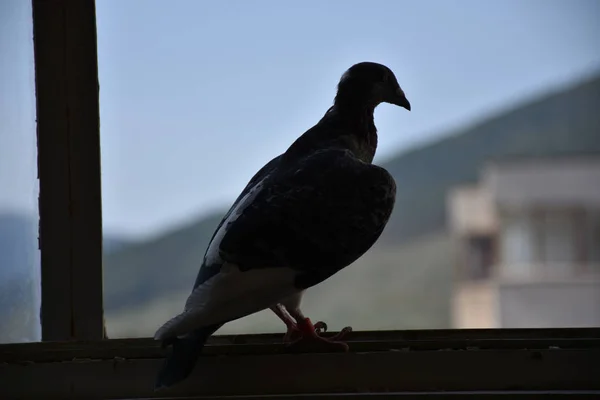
(68, 132)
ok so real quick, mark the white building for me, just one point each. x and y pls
(529, 245)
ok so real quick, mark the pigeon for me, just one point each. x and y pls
(304, 216)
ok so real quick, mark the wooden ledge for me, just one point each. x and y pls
(257, 365)
(270, 344)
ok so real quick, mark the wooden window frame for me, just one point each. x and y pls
(76, 360)
(396, 363)
(70, 201)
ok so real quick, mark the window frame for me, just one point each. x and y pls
(76, 359)
(396, 363)
(68, 134)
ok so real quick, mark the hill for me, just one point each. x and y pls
(19, 276)
(406, 286)
(136, 273)
(563, 122)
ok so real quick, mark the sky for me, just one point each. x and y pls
(196, 95)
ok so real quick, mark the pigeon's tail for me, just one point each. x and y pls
(180, 361)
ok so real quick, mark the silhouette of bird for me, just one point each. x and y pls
(305, 215)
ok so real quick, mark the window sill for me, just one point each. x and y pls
(379, 362)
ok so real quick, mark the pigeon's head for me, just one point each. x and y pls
(370, 84)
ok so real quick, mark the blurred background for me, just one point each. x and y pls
(497, 221)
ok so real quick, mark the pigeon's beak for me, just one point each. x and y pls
(399, 99)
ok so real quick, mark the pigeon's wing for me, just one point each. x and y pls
(291, 230)
(316, 217)
(210, 269)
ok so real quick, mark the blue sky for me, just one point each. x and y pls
(197, 95)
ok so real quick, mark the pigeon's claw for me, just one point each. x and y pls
(320, 327)
(311, 336)
(341, 334)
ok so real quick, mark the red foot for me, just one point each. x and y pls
(310, 336)
(294, 334)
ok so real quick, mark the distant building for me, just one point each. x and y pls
(528, 240)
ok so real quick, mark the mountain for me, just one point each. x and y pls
(134, 274)
(19, 276)
(563, 122)
(112, 243)
(19, 252)
(401, 287)
(19, 282)
(18, 245)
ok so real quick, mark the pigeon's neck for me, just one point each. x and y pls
(358, 122)
(342, 126)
